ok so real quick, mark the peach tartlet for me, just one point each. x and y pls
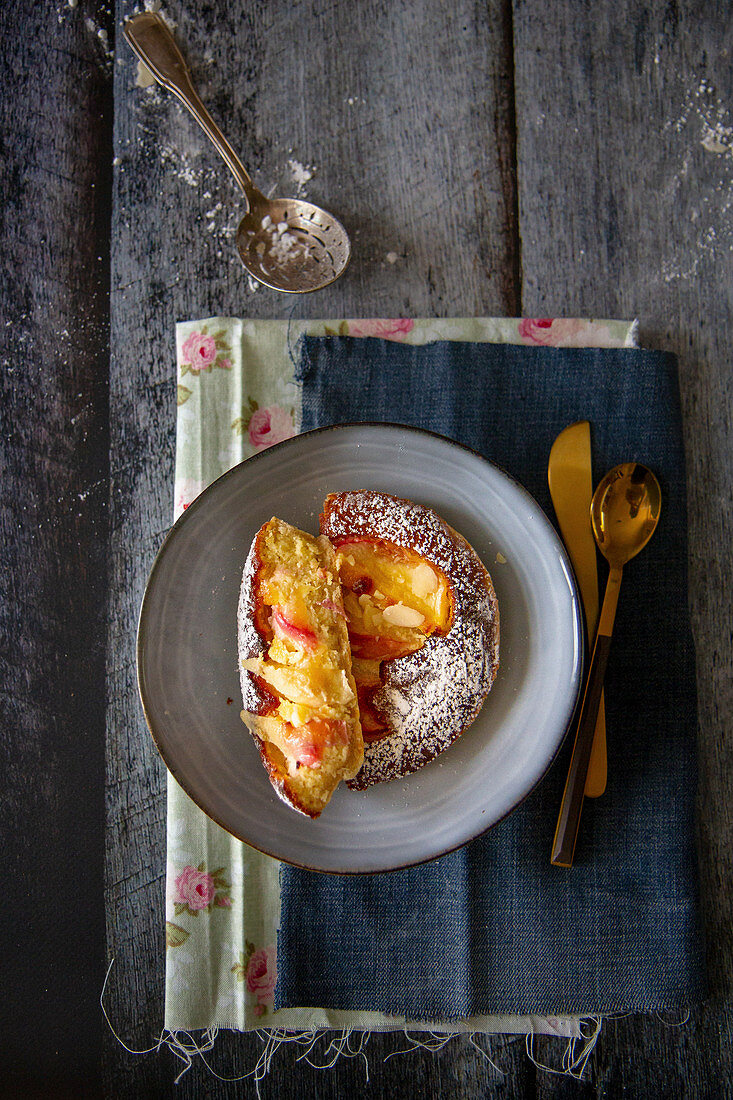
(300, 697)
(423, 625)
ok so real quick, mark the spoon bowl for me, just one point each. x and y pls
(292, 245)
(288, 244)
(624, 513)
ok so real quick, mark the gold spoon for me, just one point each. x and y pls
(624, 513)
(287, 244)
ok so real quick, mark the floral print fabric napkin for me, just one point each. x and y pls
(237, 396)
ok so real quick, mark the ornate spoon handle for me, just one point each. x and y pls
(155, 46)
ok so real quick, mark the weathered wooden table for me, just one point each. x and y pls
(504, 158)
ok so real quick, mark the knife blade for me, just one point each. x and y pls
(571, 488)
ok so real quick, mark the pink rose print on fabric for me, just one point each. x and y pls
(195, 890)
(199, 350)
(258, 968)
(537, 330)
(270, 425)
(394, 328)
(262, 974)
(566, 332)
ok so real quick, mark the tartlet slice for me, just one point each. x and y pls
(300, 698)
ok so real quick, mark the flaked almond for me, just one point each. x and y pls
(424, 580)
(399, 615)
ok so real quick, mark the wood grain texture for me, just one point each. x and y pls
(55, 129)
(566, 158)
(625, 173)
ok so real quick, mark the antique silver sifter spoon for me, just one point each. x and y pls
(287, 244)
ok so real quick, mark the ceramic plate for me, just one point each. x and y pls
(188, 668)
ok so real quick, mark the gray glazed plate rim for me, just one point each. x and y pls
(146, 628)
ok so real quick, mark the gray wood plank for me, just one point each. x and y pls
(55, 133)
(403, 113)
(628, 202)
(625, 172)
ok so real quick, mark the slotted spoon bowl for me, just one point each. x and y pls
(287, 244)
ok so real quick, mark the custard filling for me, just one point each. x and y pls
(300, 618)
(394, 599)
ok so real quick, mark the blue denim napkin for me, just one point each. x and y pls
(494, 927)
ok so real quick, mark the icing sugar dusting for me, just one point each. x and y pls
(431, 696)
(249, 641)
(701, 191)
(300, 174)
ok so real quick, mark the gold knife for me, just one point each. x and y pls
(571, 488)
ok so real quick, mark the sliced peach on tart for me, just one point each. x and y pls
(394, 599)
(423, 627)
